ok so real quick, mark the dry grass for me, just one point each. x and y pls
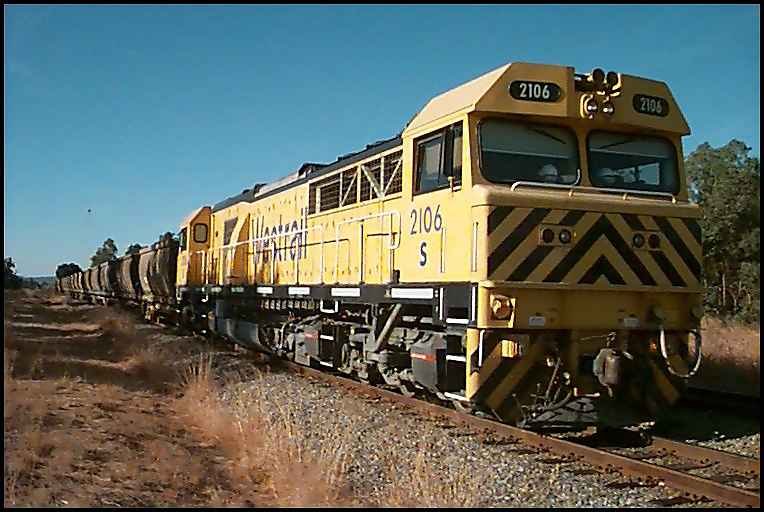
(85, 428)
(731, 353)
(732, 342)
(268, 454)
(200, 408)
(297, 474)
(10, 473)
(116, 323)
(23, 416)
(272, 458)
(139, 357)
(153, 366)
(86, 431)
(419, 482)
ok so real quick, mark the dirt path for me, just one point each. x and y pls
(90, 417)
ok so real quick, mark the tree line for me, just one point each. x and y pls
(725, 182)
(13, 281)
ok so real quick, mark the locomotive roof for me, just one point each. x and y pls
(450, 101)
(489, 93)
(458, 98)
(306, 172)
(190, 216)
(485, 92)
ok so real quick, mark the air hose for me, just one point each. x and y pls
(698, 351)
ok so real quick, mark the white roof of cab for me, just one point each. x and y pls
(456, 99)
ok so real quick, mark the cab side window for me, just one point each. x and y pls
(182, 239)
(428, 164)
(438, 158)
(200, 233)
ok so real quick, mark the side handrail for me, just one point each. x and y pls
(392, 245)
(232, 246)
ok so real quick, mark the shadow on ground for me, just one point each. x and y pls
(705, 424)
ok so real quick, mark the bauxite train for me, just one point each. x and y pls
(525, 247)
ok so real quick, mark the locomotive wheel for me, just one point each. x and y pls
(345, 359)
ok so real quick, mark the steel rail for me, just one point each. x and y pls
(603, 460)
(729, 460)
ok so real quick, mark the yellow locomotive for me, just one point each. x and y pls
(525, 247)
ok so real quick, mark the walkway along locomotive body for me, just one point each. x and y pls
(525, 247)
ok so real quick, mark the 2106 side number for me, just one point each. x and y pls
(425, 221)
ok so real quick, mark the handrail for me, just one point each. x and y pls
(392, 245)
(572, 188)
(230, 246)
(203, 252)
(361, 220)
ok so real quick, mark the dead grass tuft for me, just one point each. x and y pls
(300, 473)
(418, 482)
(267, 451)
(117, 324)
(269, 454)
(153, 366)
(731, 341)
(731, 353)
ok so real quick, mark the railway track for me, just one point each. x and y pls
(700, 473)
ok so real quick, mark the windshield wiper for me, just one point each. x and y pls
(549, 135)
(615, 144)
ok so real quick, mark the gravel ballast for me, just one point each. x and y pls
(380, 433)
(383, 440)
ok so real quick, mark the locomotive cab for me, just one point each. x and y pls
(194, 243)
(585, 254)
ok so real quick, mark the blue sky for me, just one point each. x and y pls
(142, 114)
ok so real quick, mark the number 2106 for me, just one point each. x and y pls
(424, 221)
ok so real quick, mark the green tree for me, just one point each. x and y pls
(725, 182)
(133, 249)
(107, 252)
(10, 279)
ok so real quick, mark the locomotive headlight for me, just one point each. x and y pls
(638, 240)
(608, 108)
(547, 236)
(565, 236)
(654, 241)
(598, 76)
(591, 106)
(501, 306)
(697, 311)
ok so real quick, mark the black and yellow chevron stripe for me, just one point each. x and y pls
(498, 380)
(601, 251)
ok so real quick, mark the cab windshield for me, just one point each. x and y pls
(633, 162)
(513, 151)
